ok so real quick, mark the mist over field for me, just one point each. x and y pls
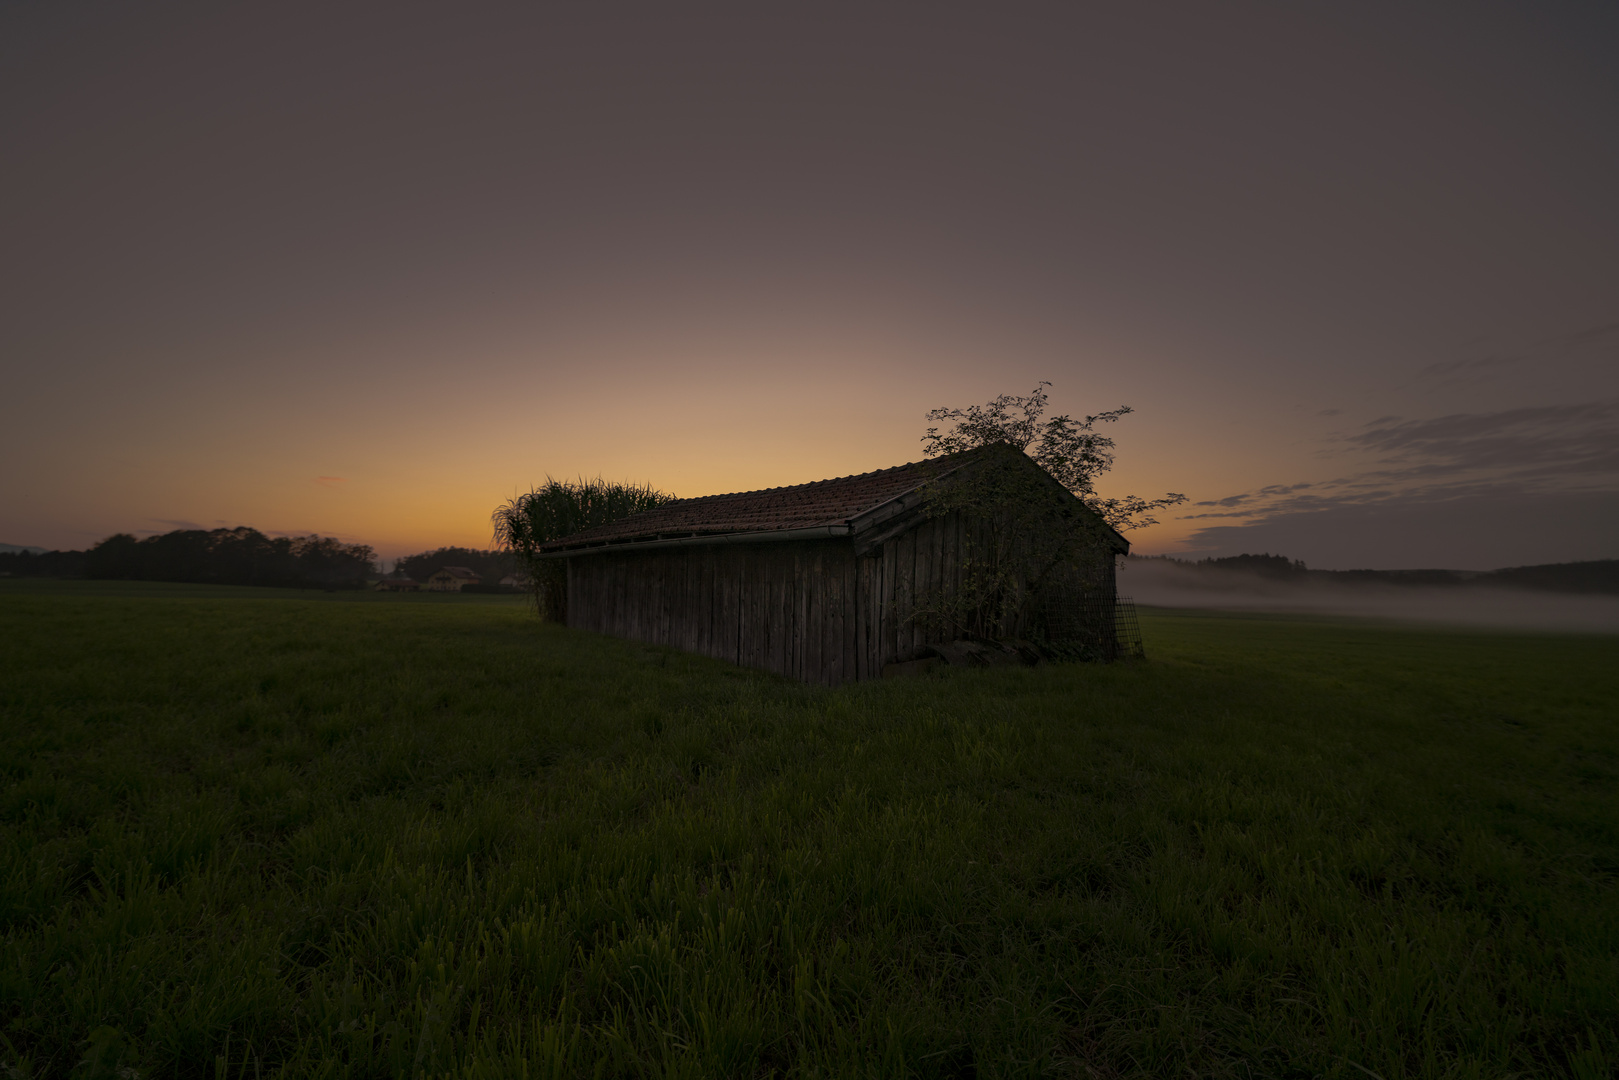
(1165, 583)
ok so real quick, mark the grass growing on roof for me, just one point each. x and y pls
(318, 837)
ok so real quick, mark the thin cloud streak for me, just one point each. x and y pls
(1539, 442)
(1552, 447)
(1589, 350)
(1488, 485)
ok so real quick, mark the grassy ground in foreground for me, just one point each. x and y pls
(262, 832)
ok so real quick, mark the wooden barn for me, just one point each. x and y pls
(830, 581)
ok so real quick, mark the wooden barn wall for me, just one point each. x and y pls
(930, 560)
(791, 608)
(809, 610)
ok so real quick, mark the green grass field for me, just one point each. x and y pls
(250, 833)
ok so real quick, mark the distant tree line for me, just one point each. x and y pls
(239, 556)
(1259, 564)
(56, 564)
(1598, 576)
(489, 565)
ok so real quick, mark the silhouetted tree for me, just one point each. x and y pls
(1072, 451)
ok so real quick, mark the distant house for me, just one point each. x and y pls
(397, 582)
(831, 581)
(517, 581)
(452, 579)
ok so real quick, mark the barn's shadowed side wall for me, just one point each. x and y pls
(810, 610)
(791, 608)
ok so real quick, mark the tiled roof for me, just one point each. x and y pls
(802, 506)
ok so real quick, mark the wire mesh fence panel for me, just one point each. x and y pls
(1127, 630)
(1089, 624)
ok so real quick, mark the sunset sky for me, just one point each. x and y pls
(369, 270)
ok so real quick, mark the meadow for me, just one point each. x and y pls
(250, 833)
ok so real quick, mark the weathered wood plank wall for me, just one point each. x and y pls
(810, 610)
(791, 608)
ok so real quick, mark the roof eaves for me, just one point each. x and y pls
(905, 501)
(643, 543)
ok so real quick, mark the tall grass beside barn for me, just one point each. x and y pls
(383, 837)
(560, 508)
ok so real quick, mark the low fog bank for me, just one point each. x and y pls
(1163, 583)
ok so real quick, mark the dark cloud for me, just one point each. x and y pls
(1535, 442)
(1477, 531)
(1273, 491)
(1470, 489)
